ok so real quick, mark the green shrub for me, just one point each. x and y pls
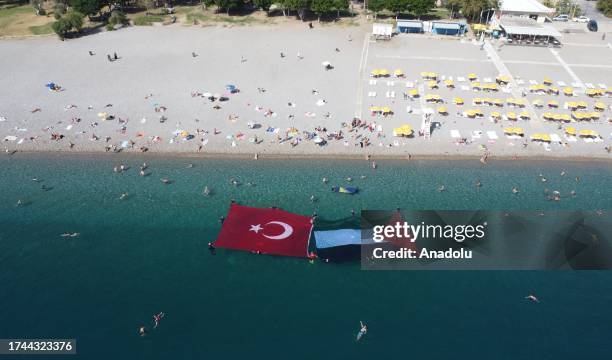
(118, 18)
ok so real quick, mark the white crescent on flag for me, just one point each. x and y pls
(288, 230)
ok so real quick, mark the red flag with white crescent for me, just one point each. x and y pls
(268, 231)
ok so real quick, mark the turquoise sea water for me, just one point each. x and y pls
(148, 253)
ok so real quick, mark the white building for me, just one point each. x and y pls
(527, 8)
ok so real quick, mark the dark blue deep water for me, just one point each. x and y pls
(148, 253)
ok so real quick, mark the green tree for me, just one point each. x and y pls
(605, 6)
(72, 20)
(75, 20)
(376, 6)
(118, 18)
(263, 4)
(421, 7)
(59, 9)
(397, 6)
(320, 7)
(568, 7)
(299, 6)
(228, 5)
(87, 7)
(340, 5)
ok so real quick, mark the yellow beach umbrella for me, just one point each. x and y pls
(553, 90)
(600, 106)
(477, 101)
(471, 113)
(595, 115)
(524, 115)
(572, 105)
(588, 133)
(519, 131)
(375, 108)
(375, 72)
(582, 104)
(442, 110)
(511, 115)
(503, 79)
(566, 117)
(472, 76)
(413, 93)
(547, 81)
(509, 130)
(476, 85)
(404, 130)
(495, 115)
(537, 103)
(432, 84)
(568, 91)
(449, 83)
(384, 72)
(553, 103)
(570, 131)
(386, 110)
(398, 73)
(458, 101)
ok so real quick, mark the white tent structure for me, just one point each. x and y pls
(382, 31)
(528, 8)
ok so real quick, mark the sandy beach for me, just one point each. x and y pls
(153, 98)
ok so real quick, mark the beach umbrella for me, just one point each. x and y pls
(476, 85)
(588, 133)
(547, 81)
(384, 72)
(413, 93)
(570, 131)
(511, 115)
(424, 74)
(538, 103)
(442, 110)
(503, 79)
(398, 73)
(404, 130)
(566, 117)
(375, 73)
(553, 90)
(449, 83)
(524, 115)
(477, 101)
(553, 103)
(600, 106)
(375, 109)
(568, 91)
(519, 131)
(471, 113)
(472, 77)
(582, 104)
(495, 115)
(509, 130)
(386, 110)
(594, 115)
(458, 101)
(572, 105)
(432, 84)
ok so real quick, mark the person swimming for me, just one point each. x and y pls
(123, 196)
(515, 190)
(157, 318)
(532, 298)
(324, 180)
(362, 330)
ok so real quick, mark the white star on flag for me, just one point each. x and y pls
(255, 228)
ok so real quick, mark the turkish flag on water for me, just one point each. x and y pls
(269, 231)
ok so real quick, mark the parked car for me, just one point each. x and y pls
(581, 19)
(562, 17)
(592, 25)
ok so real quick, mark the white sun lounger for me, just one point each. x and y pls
(533, 82)
(520, 81)
(555, 138)
(465, 88)
(372, 82)
(390, 83)
(409, 84)
(492, 135)
(589, 85)
(455, 134)
(560, 83)
(460, 78)
(476, 134)
(576, 85)
(487, 79)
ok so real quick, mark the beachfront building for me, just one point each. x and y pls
(448, 28)
(527, 31)
(523, 8)
(410, 26)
